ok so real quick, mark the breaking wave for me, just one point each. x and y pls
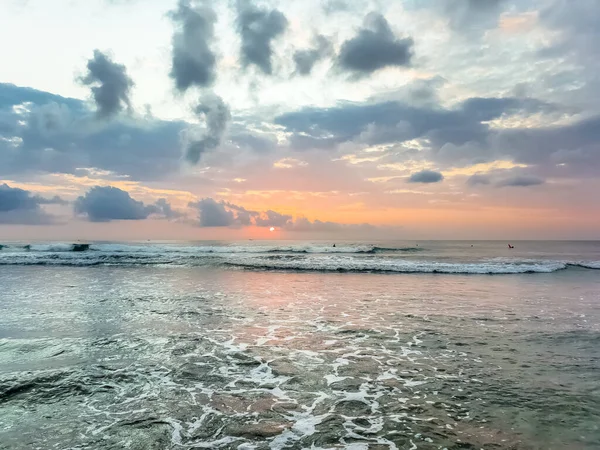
(400, 266)
(312, 258)
(52, 248)
(219, 249)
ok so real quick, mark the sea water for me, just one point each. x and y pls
(257, 345)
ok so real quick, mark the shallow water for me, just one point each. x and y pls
(213, 357)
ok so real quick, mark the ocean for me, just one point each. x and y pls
(291, 345)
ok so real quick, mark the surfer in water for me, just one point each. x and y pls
(511, 246)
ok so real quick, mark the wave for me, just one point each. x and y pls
(398, 266)
(362, 249)
(308, 257)
(48, 248)
(396, 250)
(295, 263)
(595, 265)
(217, 249)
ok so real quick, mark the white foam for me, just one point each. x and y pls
(310, 257)
(177, 429)
(334, 379)
(589, 264)
(336, 263)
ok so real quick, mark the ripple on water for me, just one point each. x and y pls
(307, 375)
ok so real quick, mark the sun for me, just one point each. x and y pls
(272, 229)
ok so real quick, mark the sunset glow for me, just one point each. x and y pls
(306, 136)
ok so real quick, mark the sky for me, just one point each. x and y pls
(347, 119)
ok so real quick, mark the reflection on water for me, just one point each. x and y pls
(164, 358)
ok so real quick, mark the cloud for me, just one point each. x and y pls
(520, 181)
(252, 141)
(107, 203)
(444, 132)
(258, 28)
(243, 216)
(331, 6)
(213, 213)
(577, 27)
(468, 16)
(478, 179)
(163, 208)
(426, 176)
(216, 116)
(56, 200)
(302, 224)
(575, 145)
(374, 47)
(193, 60)
(307, 58)
(348, 120)
(110, 84)
(18, 206)
(46, 133)
(272, 219)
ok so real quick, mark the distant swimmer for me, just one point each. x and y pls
(511, 246)
(334, 245)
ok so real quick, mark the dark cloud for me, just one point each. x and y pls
(213, 214)
(374, 47)
(505, 178)
(41, 132)
(12, 199)
(18, 206)
(520, 181)
(193, 62)
(478, 179)
(216, 116)
(575, 147)
(110, 84)
(272, 219)
(426, 176)
(106, 203)
(56, 134)
(258, 28)
(307, 58)
(397, 121)
(164, 209)
(242, 215)
(48, 133)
